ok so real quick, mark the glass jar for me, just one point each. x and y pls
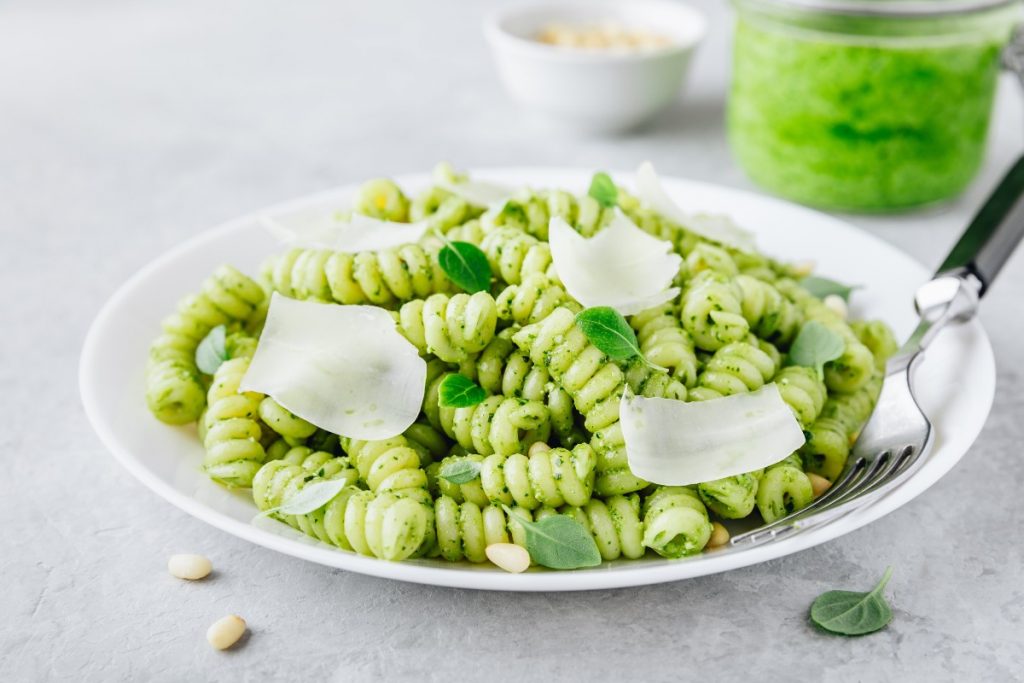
(865, 105)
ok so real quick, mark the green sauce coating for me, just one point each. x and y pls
(838, 114)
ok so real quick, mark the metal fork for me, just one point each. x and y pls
(893, 445)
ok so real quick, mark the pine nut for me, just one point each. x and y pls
(190, 567)
(538, 447)
(819, 484)
(837, 305)
(509, 556)
(225, 632)
(719, 535)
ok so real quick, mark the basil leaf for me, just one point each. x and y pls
(608, 330)
(310, 498)
(558, 542)
(212, 351)
(848, 613)
(460, 471)
(816, 345)
(466, 266)
(459, 391)
(822, 287)
(602, 188)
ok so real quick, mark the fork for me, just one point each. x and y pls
(894, 443)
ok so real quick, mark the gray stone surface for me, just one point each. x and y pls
(127, 127)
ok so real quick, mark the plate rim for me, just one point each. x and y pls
(459, 576)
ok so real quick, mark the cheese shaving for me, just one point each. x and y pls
(621, 266)
(345, 369)
(675, 443)
(350, 235)
(717, 228)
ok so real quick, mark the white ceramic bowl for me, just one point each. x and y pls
(594, 90)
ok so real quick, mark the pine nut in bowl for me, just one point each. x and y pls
(596, 67)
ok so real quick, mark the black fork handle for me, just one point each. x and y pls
(995, 232)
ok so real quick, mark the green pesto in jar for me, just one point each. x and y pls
(863, 114)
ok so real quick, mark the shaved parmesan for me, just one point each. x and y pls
(716, 228)
(345, 369)
(621, 266)
(350, 235)
(675, 443)
(478, 192)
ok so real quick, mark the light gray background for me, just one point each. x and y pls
(127, 127)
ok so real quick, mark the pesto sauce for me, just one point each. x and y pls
(864, 124)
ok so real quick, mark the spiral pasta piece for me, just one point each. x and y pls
(531, 300)
(382, 198)
(383, 278)
(513, 255)
(614, 523)
(664, 342)
(502, 368)
(292, 428)
(676, 522)
(552, 477)
(499, 424)
(526, 213)
(737, 368)
(770, 314)
(464, 530)
(232, 436)
(706, 256)
(390, 525)
(826, 449)
(855, 366)
(783, 489)
(730, 497)
(804, 391)
(450, 327)
(175, 392)
(386, 464)
(441, 208)
(712, 311)
(879, 339)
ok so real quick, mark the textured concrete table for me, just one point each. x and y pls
(128, 127)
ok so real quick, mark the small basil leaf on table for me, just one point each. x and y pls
(460, 471)
(558, 542)
(459, 391)
(849, 613)
(466, 266)
(816, 345)
(312, 497)
(608, 331)
(212, 351)
(602, 188)
(822, 287)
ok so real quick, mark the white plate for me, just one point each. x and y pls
(956, 382)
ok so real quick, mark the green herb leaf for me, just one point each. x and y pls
(816, 345)
(466, 266)
(212, 351)
(608, 330)
(602, 188)
(310, 498)
(459, 391)
(848, 613)
(822, 287)
(558, 542)
(460, 471)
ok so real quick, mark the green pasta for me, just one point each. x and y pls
(175, 390)
(543, 437)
